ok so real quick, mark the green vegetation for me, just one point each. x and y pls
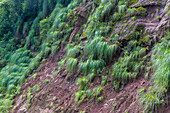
(25, 40)
(160, 64)
(33, 31)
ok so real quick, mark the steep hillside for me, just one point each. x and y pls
(78, 56)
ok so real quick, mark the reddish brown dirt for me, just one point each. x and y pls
(57, 95)
(117, 101)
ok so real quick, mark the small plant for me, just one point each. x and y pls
(116, 16)
(90, 65)
(116, 85)
(35, 75)
(36, 88)
(29, 97)
(121, 9)
(91, 77)
(73, 52)
(104, 80)
(100, 99)
(58, 101)
(61, 63)
(89, 93)
(130, 11)
(114, 106)
(149, 100)
(97, 91)
(79, 96)
(54, 49)
(82, 83)
(82, 112)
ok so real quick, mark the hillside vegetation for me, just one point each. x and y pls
(79, 56)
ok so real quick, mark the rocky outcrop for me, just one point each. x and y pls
(164, 23)
(82, 12)
(146, 3)
(155, 21)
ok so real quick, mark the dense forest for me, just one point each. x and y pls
(84, 56)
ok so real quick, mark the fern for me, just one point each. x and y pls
(24, 60)
(97, 14)
(130, 11)
(97, 91)
(52, 36)
(91, 48)
(33, 65)
(90, 65)
(128, 62)
(54, 50)
(106, 11)
(22, 79)
(11, 87)
(91, 77)
(5, 104)
(4, 81)
(121, 9)
(111, 50)
(161, 65)
(71, 64)
(80, 96)
(131, 44)
(89, 93)
(99, 49)
(61, 26)
(104, 80)
(47, 51)
(73, 52)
